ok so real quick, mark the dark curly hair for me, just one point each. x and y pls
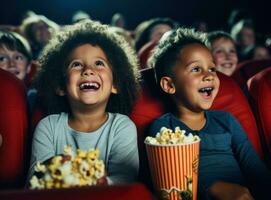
(166, 53)
(52, 73)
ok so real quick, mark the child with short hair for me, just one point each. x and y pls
(224, 52)
(229, 168)
(15, 54)
(88, 77)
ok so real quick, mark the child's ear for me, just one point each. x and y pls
(114, 90)
(167, 85)
(60, 92)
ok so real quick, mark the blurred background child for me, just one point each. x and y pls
(224, 52)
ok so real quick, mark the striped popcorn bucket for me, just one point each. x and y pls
(174, 170)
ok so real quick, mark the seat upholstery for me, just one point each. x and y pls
(247, 69)
(260, 89)
(13, 128)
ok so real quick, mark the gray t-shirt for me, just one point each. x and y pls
(116, 140)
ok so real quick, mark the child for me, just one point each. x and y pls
(15, 54)
(186, 72)
(152, 30)
(87, 78)
(223, 51)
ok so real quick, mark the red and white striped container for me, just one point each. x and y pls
(174, 169)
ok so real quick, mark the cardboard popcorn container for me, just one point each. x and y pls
(174, 169)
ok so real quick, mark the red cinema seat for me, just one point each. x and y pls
(117, 192)
(145, 52)
(260, 89)
(13, 128)
(245, 70)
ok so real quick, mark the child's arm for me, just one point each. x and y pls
(123, 162)
(229, 191)
(42, 145)
(254, 170)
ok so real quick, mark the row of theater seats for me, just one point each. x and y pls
(14, 120)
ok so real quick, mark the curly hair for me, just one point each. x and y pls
(166, 53)
(52, 73)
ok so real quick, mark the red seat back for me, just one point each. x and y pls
(145, 52)
(13, 128)
(247, 69)
(260, 90)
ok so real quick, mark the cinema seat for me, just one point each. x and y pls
(145, 52)
(117, 192)
(245, 70)
(13, 128)
(260, 90)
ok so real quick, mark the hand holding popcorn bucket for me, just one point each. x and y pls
(173, 161)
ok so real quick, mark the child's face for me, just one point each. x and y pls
(225, 56)
(194, 84)
(14, 62)
(41, 32)
(247, 37)
(89, 77)
(158, 31)
(261, 53)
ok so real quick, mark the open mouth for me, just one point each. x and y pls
(86, 86)
(227, 65)
(206, 91)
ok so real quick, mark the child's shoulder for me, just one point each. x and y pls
(120, 119)
(219, 114)
(54, 118)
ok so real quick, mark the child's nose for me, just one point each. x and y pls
(208, 76)
(11, 63)
(88, 70)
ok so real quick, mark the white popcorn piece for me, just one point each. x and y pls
(167, 136)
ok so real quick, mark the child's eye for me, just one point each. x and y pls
(212, 69)
(99, 63)
(3, 59)
(195, 69)
(19, 58)
(218, 51)
(76, 64)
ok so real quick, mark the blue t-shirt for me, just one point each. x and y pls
(225, 152)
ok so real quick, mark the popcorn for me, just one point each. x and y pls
(70, 170)
(168, 137)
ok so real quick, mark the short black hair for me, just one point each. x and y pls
(15, 42)
(216, 35)
(52, 74)
(166, 53)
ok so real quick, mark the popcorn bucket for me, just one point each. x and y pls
(174, 170)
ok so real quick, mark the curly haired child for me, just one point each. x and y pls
(229, 167)
(87, 83)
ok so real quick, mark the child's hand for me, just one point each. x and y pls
(229, 191)
(103, 180)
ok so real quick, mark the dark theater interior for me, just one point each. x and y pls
(135, 100)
